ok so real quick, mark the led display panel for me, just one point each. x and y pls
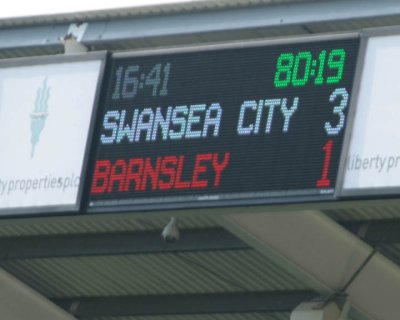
(372, 165)
(234, 124)
(46, 107)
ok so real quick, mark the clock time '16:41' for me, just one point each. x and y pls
(298, 69)
(129, 80)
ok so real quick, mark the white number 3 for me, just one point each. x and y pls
(334, 130)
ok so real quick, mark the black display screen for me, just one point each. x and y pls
(258, 123)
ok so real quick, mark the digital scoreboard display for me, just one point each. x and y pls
(223, 125)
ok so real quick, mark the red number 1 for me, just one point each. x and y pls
(324, 181)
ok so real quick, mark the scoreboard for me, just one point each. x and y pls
(247, 123)
(244, 123)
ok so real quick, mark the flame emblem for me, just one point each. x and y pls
(39, 114)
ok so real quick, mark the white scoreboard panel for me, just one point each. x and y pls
(372, 162)
(46, 110)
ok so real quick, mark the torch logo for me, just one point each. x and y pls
(39, 114)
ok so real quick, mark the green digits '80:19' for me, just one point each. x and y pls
(298, 69)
